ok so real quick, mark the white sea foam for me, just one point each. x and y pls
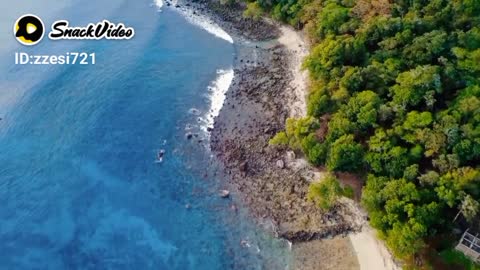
(218, 88)
(159, 4)
(203, 22)
(216, 93)
(209, 26)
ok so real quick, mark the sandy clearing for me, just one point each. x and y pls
(371, 252)
(297, 47)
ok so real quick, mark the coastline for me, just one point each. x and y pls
(269, 86)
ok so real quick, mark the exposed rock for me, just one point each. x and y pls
(280, 164)
(290, 155)
(243, 166)
(224, 193)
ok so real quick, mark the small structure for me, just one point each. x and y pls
(470, 246)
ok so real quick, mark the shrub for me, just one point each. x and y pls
(280, 138)
(253, 11)
(325, 193)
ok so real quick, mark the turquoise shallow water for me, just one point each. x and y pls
(79, 188)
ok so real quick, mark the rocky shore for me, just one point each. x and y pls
(271, 181)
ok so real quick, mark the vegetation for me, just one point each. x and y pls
(326, 192)
(395, 96)
(253, 11)
(457, 260)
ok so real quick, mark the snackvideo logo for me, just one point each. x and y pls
(29, 30)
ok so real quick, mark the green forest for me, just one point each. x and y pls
(395, 98)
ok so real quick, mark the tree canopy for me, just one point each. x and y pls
(396, 94)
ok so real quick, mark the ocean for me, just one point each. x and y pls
(80, 187)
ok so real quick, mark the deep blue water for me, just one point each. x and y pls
(79, 188)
